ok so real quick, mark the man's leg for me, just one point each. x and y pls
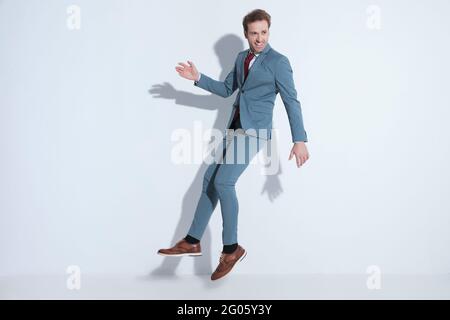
(245, 148)
(240, 153)
(190, 245)
(208, 198)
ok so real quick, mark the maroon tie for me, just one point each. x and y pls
(246, 64)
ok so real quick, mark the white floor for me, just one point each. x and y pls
(235, 286)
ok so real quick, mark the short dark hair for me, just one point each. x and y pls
(255, 15)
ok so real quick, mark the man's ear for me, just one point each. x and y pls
(245, 34)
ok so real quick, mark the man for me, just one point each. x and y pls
(259, 73)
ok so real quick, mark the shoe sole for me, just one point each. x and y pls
(243, 256)
(180, 254)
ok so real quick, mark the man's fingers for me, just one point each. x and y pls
(301, 159)
(183, 64)
(292, 153)
(191, 64)
(304, 158)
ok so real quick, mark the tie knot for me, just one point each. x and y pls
(250, 55)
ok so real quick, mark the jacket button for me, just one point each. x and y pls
(243, 91)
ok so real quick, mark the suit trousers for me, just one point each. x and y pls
(238, 151)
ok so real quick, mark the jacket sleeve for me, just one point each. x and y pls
(223, 89)
(284, 81)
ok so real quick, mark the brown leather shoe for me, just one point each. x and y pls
(227, 262)
(182, 248)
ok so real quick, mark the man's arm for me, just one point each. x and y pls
(223, 89)
(285, 84)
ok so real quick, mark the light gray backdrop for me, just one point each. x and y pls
(87, 116)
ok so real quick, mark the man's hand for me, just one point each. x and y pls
(187, 71)
(301, 153)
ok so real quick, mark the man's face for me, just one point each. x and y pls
(257, 35)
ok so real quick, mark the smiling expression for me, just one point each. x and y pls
(257, 35)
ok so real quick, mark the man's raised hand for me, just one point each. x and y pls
(187, 71)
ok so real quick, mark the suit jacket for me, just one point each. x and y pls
(270, 74)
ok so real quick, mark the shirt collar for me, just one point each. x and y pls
(255, 54)
(266, 49)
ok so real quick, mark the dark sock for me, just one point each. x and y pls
(230, 248)
(191, 240)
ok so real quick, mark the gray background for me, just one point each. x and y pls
(86, 121)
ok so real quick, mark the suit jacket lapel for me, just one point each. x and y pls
(254, 66)
(241, 68)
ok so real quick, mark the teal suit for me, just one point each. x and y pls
(270, 74)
